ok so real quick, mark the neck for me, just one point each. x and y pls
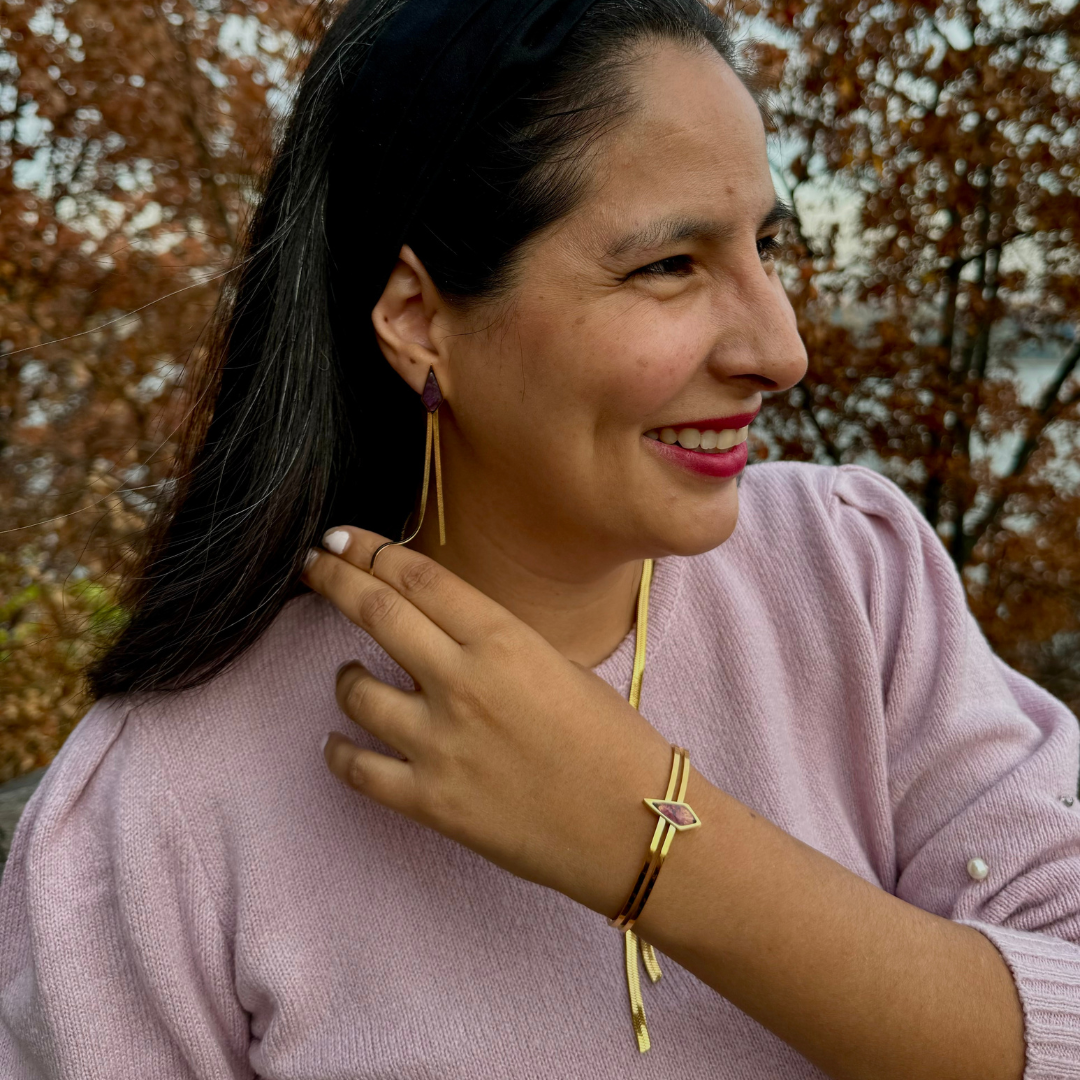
(583, 612)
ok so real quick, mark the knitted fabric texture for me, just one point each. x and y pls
(191, 893)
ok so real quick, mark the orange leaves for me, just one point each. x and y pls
(134, 136)
(936, 331)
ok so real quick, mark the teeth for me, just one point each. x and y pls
(694, 439)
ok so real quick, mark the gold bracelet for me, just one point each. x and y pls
(675, 816)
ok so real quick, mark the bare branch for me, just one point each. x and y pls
(1049, 409)
(807, 406)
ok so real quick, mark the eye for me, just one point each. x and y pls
(675, 264)
(769, 247)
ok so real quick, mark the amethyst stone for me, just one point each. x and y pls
(678, 813)
(432, 395)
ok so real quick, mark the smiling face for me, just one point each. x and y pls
(653, 305)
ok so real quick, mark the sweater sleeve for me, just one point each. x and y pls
(982, 762)
(114, 962)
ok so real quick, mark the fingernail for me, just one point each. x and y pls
(326, 739)
(337, 540)
(310, 557)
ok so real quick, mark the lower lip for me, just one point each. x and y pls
(728, 463)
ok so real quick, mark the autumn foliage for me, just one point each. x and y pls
(131, 141)
(944, 330)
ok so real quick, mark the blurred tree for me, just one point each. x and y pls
(931, 151)
(129, 138)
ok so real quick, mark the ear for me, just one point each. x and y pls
(409, 323)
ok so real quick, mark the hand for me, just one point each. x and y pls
(509, 748)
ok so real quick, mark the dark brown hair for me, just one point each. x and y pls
(297, 401)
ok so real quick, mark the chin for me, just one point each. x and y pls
(706, 533)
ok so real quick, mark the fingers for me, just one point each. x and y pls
(382, 778)
(392, 715)
(460, 610)
(402, 629)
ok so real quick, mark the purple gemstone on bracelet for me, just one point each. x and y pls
(432, 395)
(677, 813)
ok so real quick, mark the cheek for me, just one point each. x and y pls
(649, 359)
(612, 365)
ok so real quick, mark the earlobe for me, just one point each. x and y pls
(403, 320)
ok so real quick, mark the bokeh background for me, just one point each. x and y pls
(930, 150)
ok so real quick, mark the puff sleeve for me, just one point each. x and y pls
(114, 960)
(982, 763)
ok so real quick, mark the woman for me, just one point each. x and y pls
(559, 216)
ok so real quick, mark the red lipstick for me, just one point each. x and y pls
(723, 464)
(717, 423)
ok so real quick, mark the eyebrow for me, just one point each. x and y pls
(678, 230)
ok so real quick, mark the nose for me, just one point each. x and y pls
(759, 340)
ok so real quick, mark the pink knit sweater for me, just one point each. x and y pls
(190, 893)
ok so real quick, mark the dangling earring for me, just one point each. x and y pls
(432, 399)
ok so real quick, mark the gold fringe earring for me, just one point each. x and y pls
(432, 399)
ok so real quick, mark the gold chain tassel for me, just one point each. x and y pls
(423, 496)
(438, 477)
(633, 984)
(633, 942)
(648, 956)
(431, 439)
(673, 817)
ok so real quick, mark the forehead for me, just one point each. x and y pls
(694, 149)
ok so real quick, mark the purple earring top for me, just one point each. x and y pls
(432, 395)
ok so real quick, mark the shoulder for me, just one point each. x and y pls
(104, 825)
(84, 770)
(109, 915)
(196, 757)
(250, 716)
(795, 490)
(276, 669)
(836, 520)
(846, 518)
(248, 700)
(826, 550)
